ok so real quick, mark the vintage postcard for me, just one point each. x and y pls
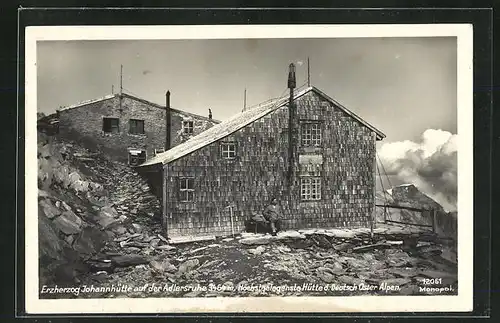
(287, 168)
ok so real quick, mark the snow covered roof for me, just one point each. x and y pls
(237, 122)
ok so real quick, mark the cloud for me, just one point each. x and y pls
(430, 164)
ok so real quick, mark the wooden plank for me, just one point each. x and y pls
(407, 223)
(393, 206)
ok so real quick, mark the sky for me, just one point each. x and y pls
(405, 87)
(402, 86)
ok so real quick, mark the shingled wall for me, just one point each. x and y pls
(84, 123)
(259, 173)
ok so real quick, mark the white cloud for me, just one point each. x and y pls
(430, 164)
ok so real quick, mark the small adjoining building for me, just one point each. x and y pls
(128, 128)
(307, 150)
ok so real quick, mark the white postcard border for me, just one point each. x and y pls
(460, 303)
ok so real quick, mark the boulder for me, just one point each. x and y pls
(71, 216)
(322, 241)
(137, 227)
(325, 274)
(67, 226)
(66, 206)
(188, 265)
(48, 209)
(334, 267)
(398, 258)
(108, 211)
(282, 235)
(120, 229)
(258, 240)
(163, 266)
(358, 264)
(166, 247)
(257, 251)
(43, 194)
(106, 221)
(90, 241)
(349, 280)
(129, 260)
(49, 244)
(338, 233)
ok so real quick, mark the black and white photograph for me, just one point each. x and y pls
(233, 172)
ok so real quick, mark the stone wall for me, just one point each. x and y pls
(85, 124)
(259, 172)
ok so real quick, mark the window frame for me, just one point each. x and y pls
(189, 129)
(228, 151)
(307, 184)
(188, 191)
(111, 127)
(131, 121)
(312, 141)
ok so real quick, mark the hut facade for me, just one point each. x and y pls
(307, 150)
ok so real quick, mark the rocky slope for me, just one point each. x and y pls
(85, 201)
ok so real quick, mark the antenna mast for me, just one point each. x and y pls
(308, 73)
(121, 79)
(245, 100)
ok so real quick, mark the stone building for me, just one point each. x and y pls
(129, 128)
(307, 150)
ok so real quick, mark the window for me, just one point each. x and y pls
(188, 126)
(110, 125)
(310, 188)
(136, 157)
(136, 126)
(186, 189)
(228, 150)
(311, 134)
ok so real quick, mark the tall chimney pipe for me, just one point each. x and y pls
(292, 127)
(168, 122)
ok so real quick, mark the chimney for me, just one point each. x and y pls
(209, 114)
(292, 127)
(168, 121)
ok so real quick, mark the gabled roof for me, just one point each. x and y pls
(237, 122)
(155, 105)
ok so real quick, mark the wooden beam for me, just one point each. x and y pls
(407, 223)
(402, 207)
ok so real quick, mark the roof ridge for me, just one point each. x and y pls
(192, 145)
(87, 102)
(248, 116)
(156, 105)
